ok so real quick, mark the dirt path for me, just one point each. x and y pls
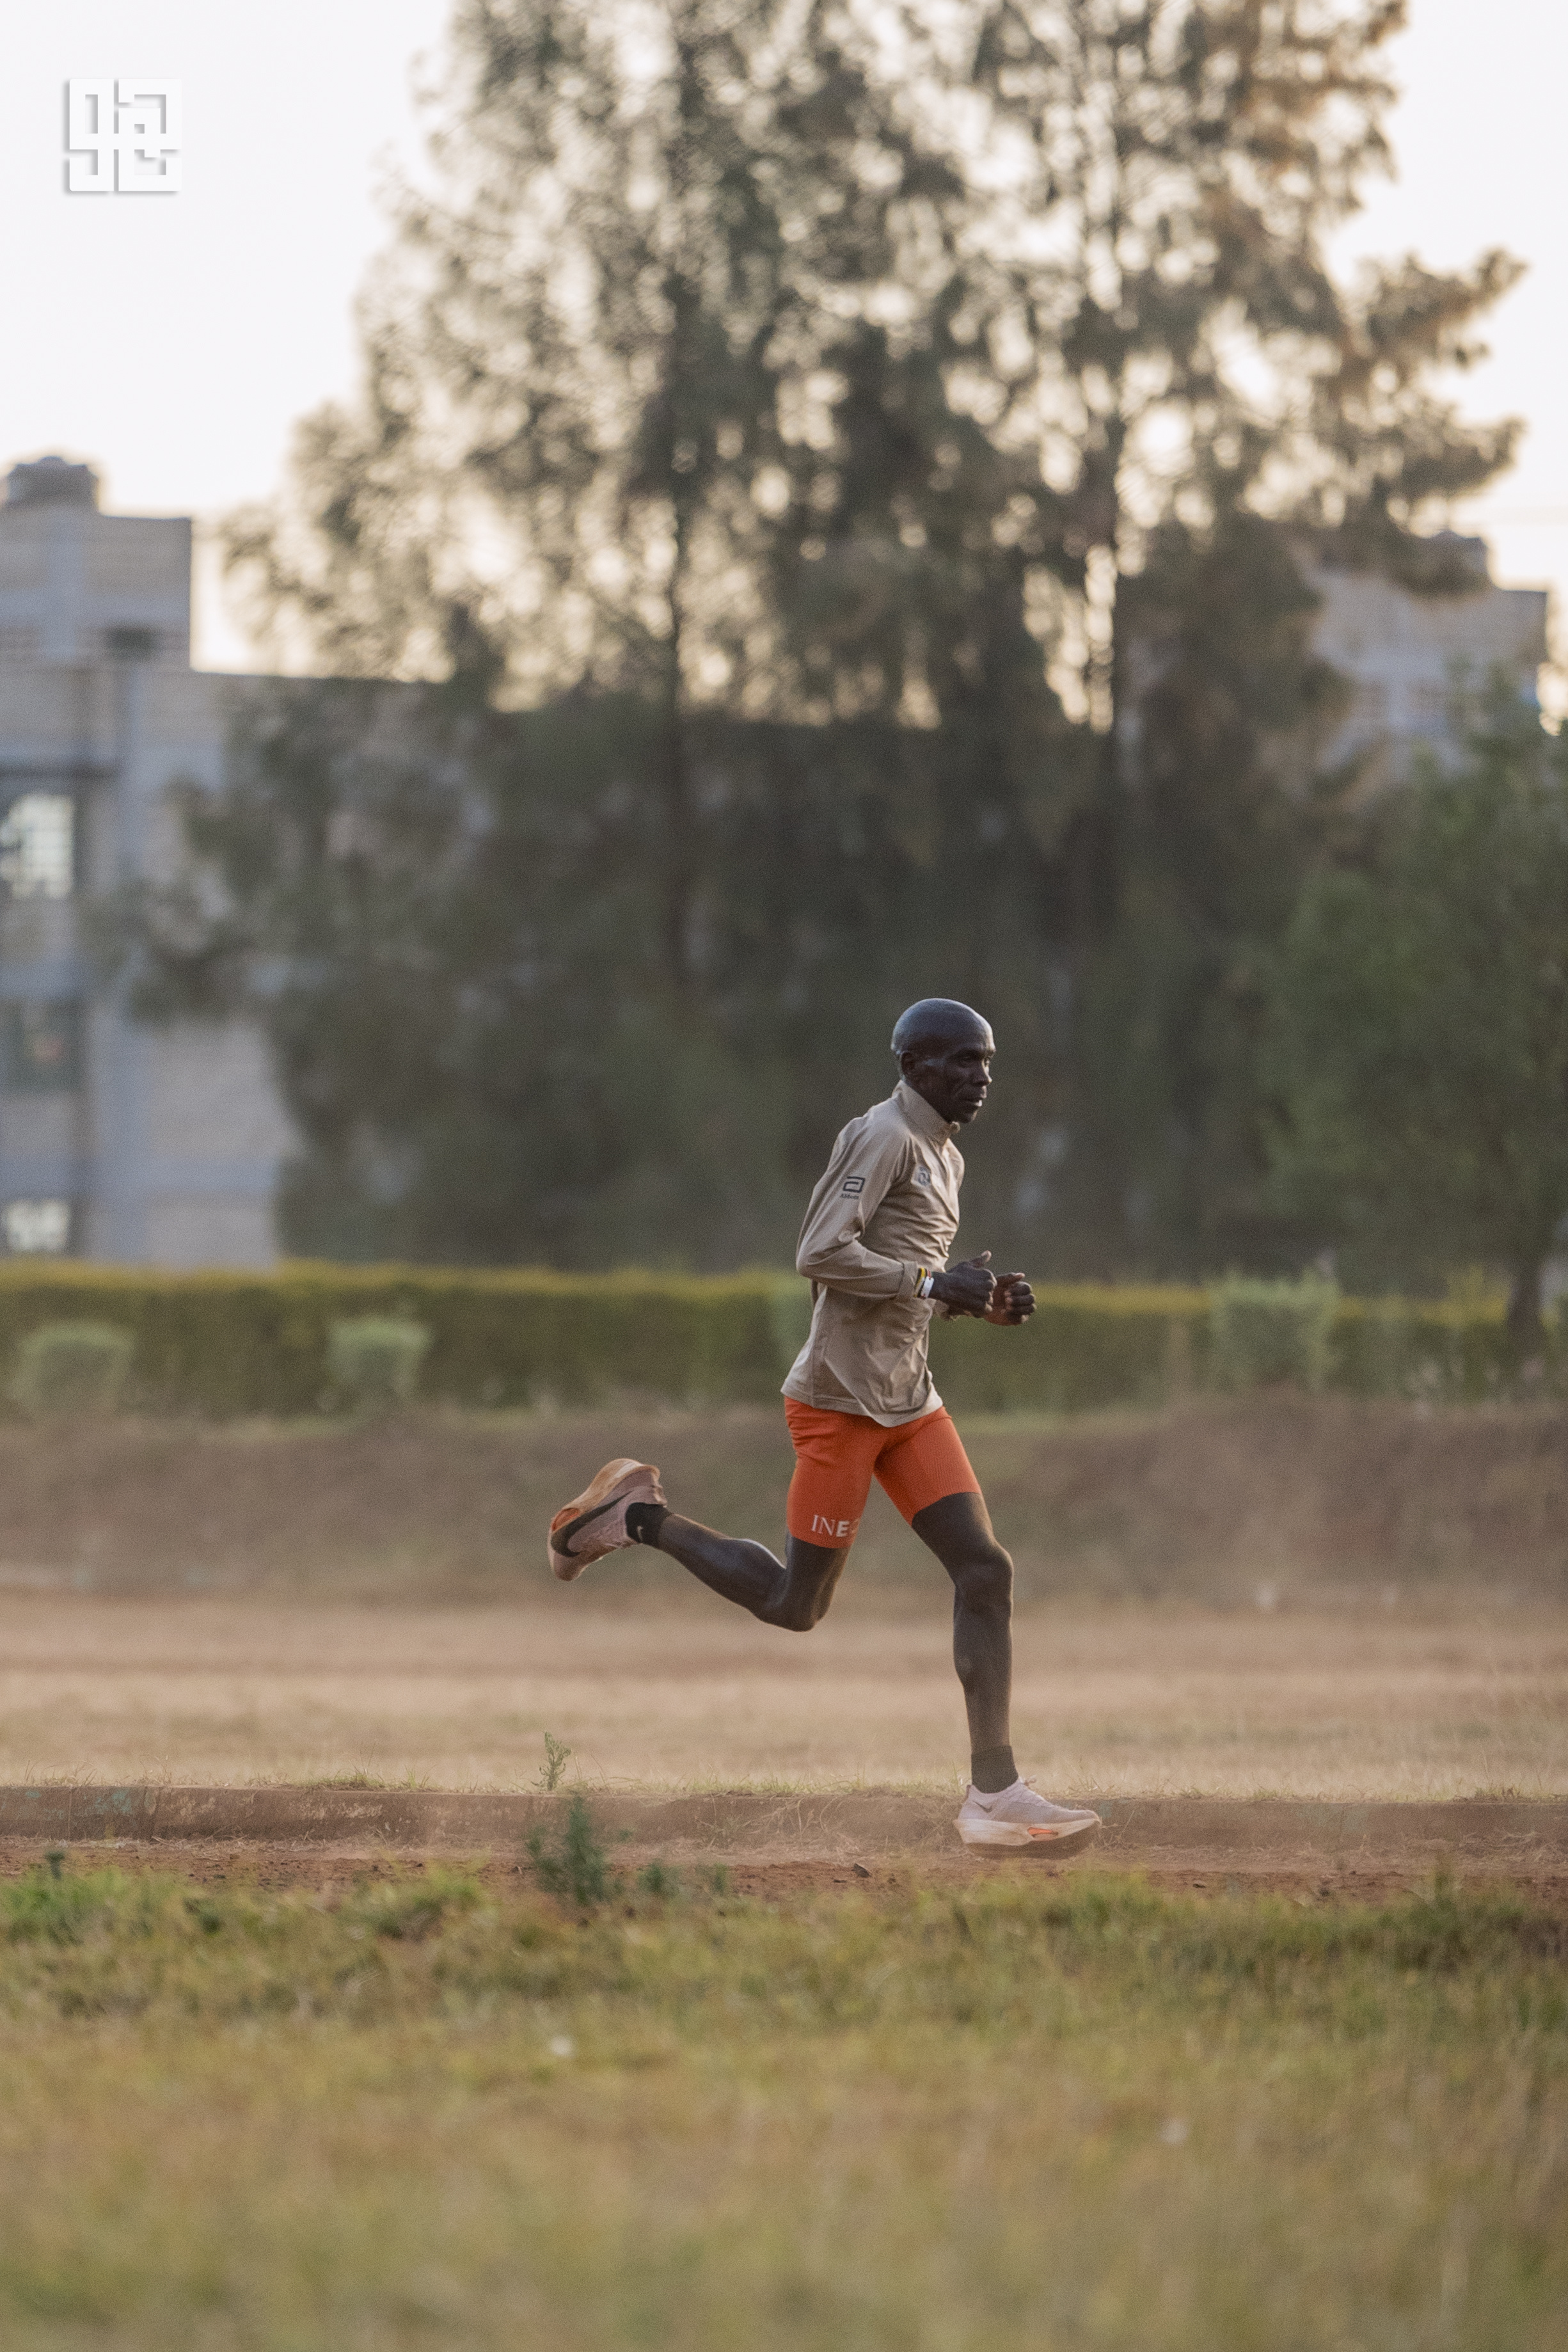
(786, 1842)
(331, 1871)
(679, 1691)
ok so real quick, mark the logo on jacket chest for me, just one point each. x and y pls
(922, 1175)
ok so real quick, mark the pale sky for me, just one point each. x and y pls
(173, 340)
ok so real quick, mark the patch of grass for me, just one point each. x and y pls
(574, 1865)
(406, 1909)
(50, 1906)
(1039, 2113)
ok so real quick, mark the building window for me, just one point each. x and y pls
(132, 644)
(36, 1228)
(40, 1048)
(38, 847)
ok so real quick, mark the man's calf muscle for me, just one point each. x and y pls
(791, 1593)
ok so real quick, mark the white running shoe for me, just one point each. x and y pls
(595, 1523)
(1017, 1816)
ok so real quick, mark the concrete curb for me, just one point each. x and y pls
(740, 1826)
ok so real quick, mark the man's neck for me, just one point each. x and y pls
(923, 1112)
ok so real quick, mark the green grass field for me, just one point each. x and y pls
(1054, 2111)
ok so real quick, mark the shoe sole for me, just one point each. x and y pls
(1014, 1837)
(600, 1495)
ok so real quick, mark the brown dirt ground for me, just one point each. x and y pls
(679, 1691)
(1210, 1500)
(1311, 1597)
(209, 1863)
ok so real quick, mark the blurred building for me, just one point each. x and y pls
(147, 1146)
(1408, 655)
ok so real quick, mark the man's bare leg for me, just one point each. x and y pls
(958, 1530)
(793, 1593)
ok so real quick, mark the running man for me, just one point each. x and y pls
(860, 1403)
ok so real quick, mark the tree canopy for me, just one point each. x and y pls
(913, 433)
(1420, 1041)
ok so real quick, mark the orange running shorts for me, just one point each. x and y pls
(837, 1456)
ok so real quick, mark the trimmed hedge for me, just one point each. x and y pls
(228, 1344)
(224, 1344)
(1086, 1345)
(1435, 1349)
(71, 1368)
(374, 1361)
(1263, 1334)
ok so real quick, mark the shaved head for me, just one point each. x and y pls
(943, 1051)
(939, 1021)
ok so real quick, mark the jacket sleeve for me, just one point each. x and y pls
(831, 1253)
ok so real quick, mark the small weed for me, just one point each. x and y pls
(660, 1879)
(577, 1867)
(553, 1769)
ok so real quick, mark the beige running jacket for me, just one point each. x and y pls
(884, 1215)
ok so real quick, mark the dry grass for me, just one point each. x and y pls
(1049, 2115)
(684, 1691)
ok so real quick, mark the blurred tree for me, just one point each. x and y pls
(605, 381)
(1084, 445)
(566, 353)
(438, 912)
(1154, 317)
(925, 422)
(589, 362)
(1419, 1042)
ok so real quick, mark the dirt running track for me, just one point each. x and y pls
(673, 1692)
(782, 1845)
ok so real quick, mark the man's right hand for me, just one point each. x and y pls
(965, 1288)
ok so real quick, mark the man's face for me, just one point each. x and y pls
(955, 1076)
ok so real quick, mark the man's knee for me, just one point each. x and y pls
(984, 1581)
(812, 1573)
(798, 1612)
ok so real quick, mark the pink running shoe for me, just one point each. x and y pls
(1019, 1817)
(595, 1523)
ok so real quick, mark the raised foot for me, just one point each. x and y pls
(594, 1522)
